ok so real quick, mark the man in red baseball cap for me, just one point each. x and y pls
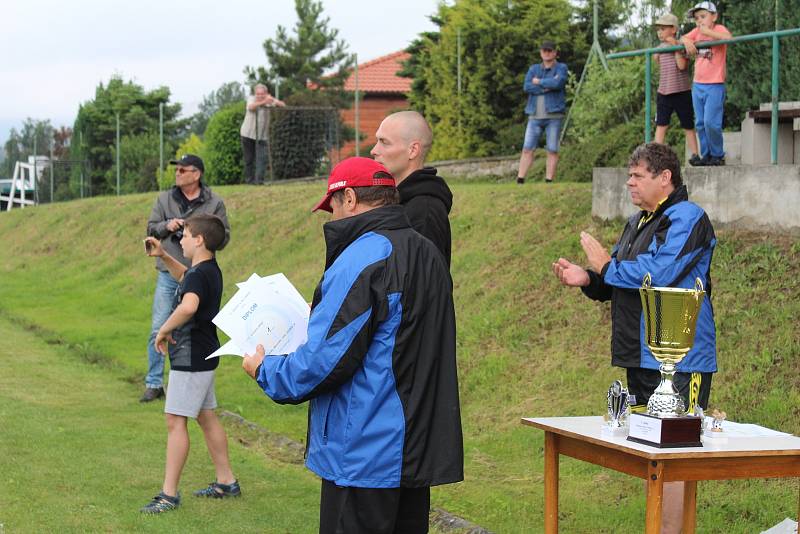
(376, 187)
(379, 366)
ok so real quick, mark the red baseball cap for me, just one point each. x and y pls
(355, 172)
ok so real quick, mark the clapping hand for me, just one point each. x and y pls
(570, 274)
(595, 252)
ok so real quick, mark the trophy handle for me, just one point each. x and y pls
(698, 285)
(647, 282)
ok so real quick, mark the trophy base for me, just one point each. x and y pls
(608, 431)
(715, 437)
(665, 432)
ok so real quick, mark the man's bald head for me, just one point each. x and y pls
(403, 141)
(413, 127)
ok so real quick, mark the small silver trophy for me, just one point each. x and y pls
(617, 417)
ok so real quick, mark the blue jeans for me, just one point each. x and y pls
(166, 286)
(708, 100)
(552, 128)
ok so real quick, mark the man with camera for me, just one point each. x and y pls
(189, 196)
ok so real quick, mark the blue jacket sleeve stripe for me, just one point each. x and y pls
(293, 377)
(664, 262)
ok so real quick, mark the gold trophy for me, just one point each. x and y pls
(670, 321)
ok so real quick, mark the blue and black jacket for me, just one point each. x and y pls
(675, 246)
(379, 366)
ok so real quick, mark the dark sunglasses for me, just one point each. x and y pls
(181, 170)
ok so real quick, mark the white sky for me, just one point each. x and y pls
(55, 52)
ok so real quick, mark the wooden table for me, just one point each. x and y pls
(582, 438)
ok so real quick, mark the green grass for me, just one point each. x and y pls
(80, 454)
(75, 274)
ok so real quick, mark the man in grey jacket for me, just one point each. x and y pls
(189, 196)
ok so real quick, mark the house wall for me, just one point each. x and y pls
(372, 109)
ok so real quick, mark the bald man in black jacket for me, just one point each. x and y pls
(404, 139)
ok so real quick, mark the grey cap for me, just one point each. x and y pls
(548, 45)
(667, 19)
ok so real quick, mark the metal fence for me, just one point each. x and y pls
(776, 64)
(301, 141)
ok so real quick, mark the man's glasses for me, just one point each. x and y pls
(182, 170)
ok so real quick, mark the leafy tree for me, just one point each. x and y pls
(139, 158)
(227, 93)
(611, 15)
(13, 152)
(419, 62)
(310, 56)
(607, 121)
(62, 137)
(749, 81)
(223, 147)
(499, 41)
(35, 135)
(138, 114)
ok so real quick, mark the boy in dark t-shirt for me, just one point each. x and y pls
(191, 337)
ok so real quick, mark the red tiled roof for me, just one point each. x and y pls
(380, 75)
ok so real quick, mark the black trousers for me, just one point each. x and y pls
(344, 510)
(255, 155)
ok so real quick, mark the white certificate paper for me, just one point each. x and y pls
(266, 311)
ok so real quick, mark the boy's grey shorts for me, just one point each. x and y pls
(188, 393)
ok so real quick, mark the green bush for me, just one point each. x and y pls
(610, 148)
(607, 120)
(223, 148)
(608, 98)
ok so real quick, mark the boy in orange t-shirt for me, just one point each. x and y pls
(708, 89)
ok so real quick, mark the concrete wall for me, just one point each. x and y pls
(732, 143)
(477, 167)
(753, 197)
(757, 142)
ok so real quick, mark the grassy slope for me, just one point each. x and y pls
(526, 345)
(81, 455)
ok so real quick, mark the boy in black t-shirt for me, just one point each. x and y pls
(191, 337)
